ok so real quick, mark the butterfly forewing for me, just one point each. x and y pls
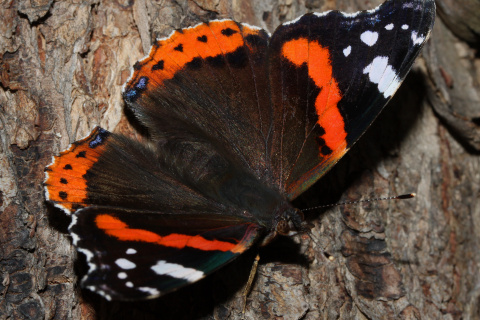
(331, 75)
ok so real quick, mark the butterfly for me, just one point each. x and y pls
(240, 123)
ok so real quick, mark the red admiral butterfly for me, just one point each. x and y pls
(240, 123)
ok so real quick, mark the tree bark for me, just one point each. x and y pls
(62, 67)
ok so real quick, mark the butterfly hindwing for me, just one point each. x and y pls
(331, 75)
(111, 170)
(136, 254)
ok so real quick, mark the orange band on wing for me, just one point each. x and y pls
(317, 58)
(170, 55)
(116, 228)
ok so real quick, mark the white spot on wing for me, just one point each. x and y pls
(177, 271)
(416, 39)
(405, 27)
(122, 275)
(369, 38)
(376, 68)
(131, 251)
(99, 291)
(125, 264)
(383, 74)
(151, 291)
(389, 26)
(129, 284)
(347, 51)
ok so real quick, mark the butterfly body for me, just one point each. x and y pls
(240, 123)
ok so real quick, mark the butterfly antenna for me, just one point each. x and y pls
(400, 197)
(328, 255)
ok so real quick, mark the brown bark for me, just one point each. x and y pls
(61, 70)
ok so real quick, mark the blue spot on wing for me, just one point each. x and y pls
(132, 94)
(99, 138)
(142, 83)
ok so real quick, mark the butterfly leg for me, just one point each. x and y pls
(248, 286)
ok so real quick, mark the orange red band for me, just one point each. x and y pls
(170, 55)
(117, 228)
(303, 51)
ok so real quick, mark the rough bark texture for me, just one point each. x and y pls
(61, 70)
